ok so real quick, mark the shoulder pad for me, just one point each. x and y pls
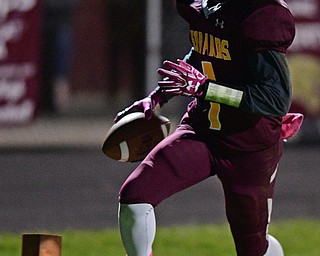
(269, 27)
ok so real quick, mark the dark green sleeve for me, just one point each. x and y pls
(270, 94)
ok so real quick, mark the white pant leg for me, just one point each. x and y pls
(137, 228)
(274, 248)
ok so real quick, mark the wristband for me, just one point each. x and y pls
(222, 94)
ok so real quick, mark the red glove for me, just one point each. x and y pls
(182, 79)
(291, 124)
(146, 105)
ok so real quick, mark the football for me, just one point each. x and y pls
(133, 137)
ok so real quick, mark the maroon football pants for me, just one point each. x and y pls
(183, 159)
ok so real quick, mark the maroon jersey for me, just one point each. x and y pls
(222, 45)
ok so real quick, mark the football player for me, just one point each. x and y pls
(238, 77)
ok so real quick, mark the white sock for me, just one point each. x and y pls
(274, 248)
(137, 228)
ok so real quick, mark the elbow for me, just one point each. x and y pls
(286, 102)
(281, 106)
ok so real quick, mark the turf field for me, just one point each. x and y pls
(298, 237)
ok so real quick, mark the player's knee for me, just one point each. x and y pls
(128, 195)
(247, 210)
(132, 193)
(247, 214)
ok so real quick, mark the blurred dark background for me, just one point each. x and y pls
(94, 53)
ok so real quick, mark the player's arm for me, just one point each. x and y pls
(271, 93)
(156, 99)
(148, 105)
(268, 95)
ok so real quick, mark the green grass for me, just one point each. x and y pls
(298, 238)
